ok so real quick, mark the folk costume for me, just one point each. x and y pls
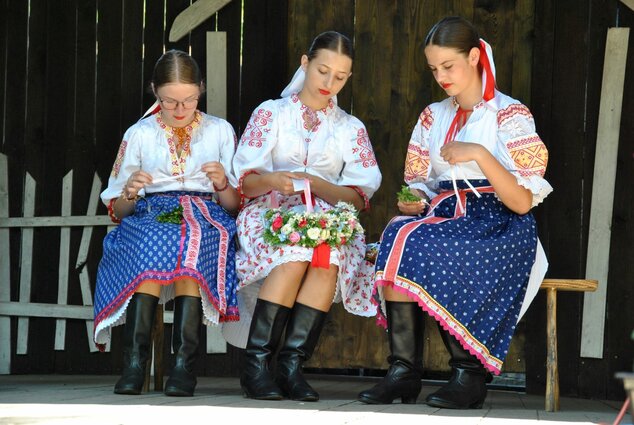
(469, 262)
(178, 230)
(286, 135)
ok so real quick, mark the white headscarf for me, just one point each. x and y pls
(297, 84)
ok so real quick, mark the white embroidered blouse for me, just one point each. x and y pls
(150, 145)
(285, 135)
(504, 126)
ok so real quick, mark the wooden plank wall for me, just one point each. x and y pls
(568, 65)
(390, 86)
(74, 76)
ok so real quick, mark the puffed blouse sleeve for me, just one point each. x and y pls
(521, 150)
(128, 160)
(417, 161)
(360, 170)
(254, 151)
(227, 151)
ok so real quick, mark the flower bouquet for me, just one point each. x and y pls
(335, 227)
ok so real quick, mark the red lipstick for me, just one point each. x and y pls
(324, 92)
(445, 85)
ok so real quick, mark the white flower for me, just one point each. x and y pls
(313, 233)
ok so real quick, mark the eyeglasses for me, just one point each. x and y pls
(171, 104)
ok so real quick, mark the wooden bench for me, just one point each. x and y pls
(552, 370)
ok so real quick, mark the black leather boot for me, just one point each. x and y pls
(266, 330)
(302, 333)
(466, 389)
(185, 342)
(137, 340)
(406, 323)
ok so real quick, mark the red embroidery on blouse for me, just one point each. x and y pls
(529, 154)
(258, 125)
(416, 163)
(512, 110)
(364, 149)
(426, 118)
(117, 162)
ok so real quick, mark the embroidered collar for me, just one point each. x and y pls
(179, 138)
(456, 105)
(328, 109)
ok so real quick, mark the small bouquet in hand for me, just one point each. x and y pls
(334, 227)
(406, 195)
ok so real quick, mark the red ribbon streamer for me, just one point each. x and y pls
(321, 256)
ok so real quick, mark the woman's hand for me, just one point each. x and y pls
(455, 152)
(411, 208)
(215, 172)
(282, 181)
(137, 181)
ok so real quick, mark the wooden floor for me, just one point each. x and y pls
(62, 399)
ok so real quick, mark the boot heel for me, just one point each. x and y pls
(409, 399)
(477, 405)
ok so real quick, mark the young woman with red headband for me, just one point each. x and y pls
(469, 256)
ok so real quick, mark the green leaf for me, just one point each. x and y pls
(406, 195)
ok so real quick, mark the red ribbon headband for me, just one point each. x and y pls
(488, 71)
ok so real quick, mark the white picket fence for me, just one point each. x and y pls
(62, 311)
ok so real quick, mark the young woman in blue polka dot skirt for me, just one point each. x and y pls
(171, 188)
(468, 253)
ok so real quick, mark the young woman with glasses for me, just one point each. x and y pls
(172, 191)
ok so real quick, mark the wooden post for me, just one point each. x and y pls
(598, 256)
(26, 263)
(5, 269)
(64, 247)
(216, 105)
(552, 370)
(82, 255)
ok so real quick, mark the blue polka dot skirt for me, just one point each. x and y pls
(201, 248)
(469, 271)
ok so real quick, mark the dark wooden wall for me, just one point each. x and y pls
(567, 72)
(65, 105)
(74, 76)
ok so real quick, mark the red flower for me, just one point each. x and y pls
(323, 223)
(277, 223)
(302, 223)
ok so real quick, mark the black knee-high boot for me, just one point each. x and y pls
(256, 379)
(466, 389)
(302, 333)
(403, 379)
(137, 339)
(185, 342)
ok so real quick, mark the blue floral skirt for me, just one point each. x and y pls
(469, 271)
(200, 248)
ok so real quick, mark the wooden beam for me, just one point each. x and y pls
(19, 309)
(55, 311)
(5, 269)
(70, 221)
(217, 74)
(193, 16)
(628, 3)
(26, 263)
(82, 255)
(64, 260)
(598, 257)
